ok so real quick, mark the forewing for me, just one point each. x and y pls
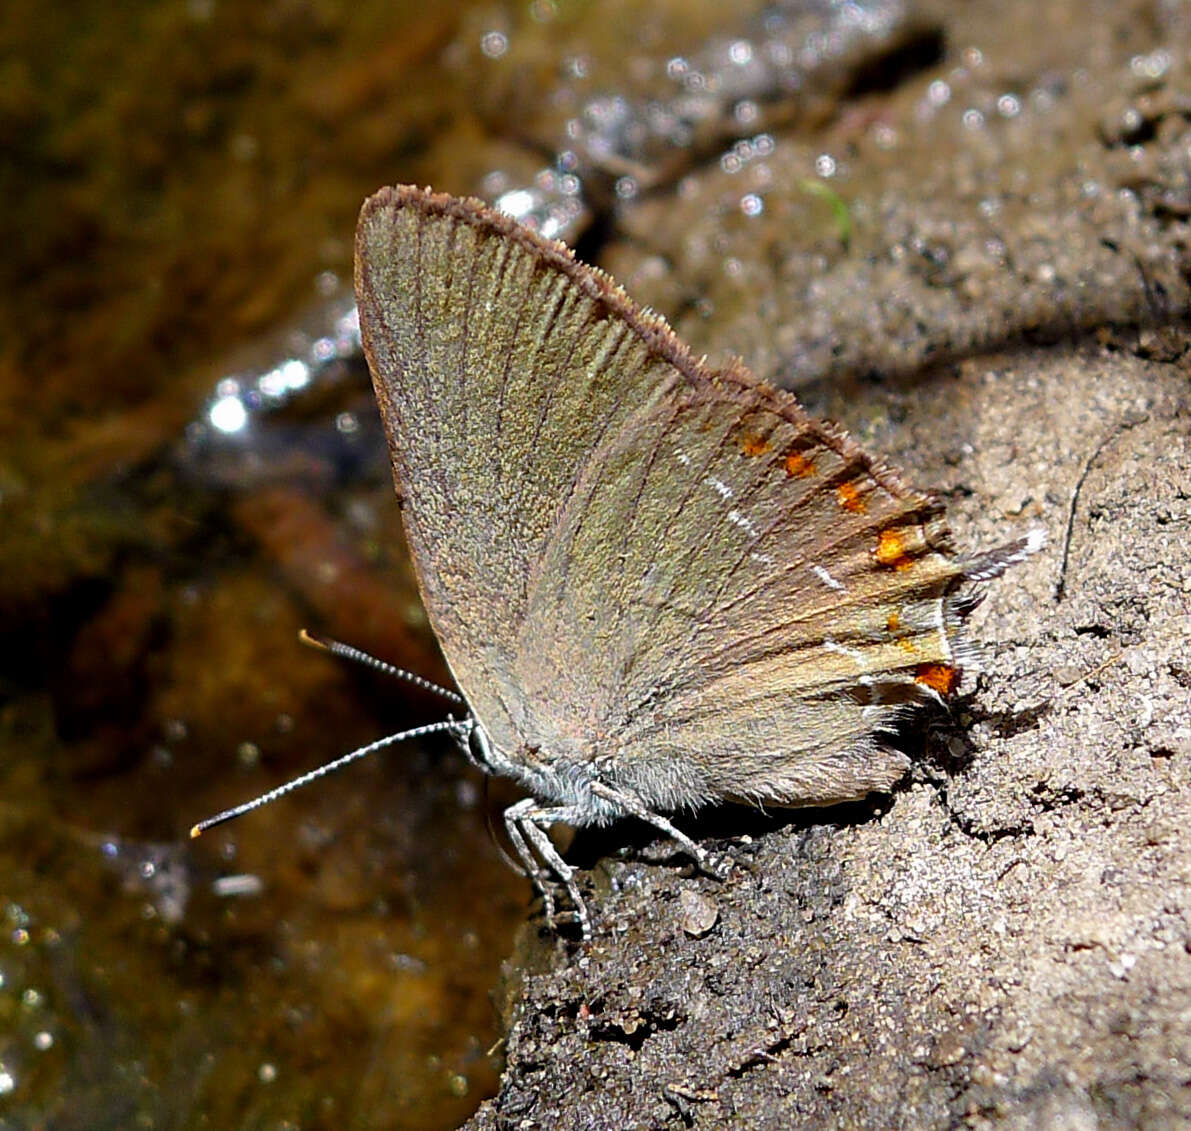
(500, 365)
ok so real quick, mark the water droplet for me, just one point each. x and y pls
(516, 203)
(1009, 106)
(242, 884)
(1151, 66)
(938, 93)
(494, 44)
(745, 112)
(494, 183)
(228, 415)
(1042, 100)
(741, 52)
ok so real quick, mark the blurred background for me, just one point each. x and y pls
(192, 470)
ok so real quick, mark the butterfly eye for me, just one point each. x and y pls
(479, 748)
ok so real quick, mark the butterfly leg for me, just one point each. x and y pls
(633, 807)
(529, 862)
(527, 822)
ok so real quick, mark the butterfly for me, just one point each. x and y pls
(657, 584)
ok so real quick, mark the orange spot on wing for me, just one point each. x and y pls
(938, 677)
(891, 550)
(849, 498)
(798, 465)
(904, 636)
(752, 445)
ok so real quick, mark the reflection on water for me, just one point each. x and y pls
(763, 65)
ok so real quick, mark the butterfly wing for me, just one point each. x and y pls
(753, 597)
(671, 578)
(500, 365)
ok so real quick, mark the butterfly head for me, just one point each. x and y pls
(477, 746)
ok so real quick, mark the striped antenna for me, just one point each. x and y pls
(322, 771)
(347, 652)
